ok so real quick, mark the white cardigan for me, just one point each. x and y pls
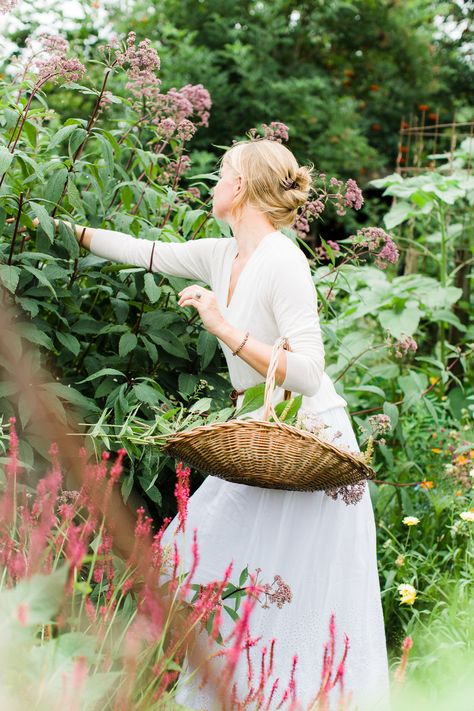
(274, 296)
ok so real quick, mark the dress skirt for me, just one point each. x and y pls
(325, 551)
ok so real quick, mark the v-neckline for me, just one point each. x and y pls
(230, 264)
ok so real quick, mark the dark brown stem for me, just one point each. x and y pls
(89, 127)
(15, 231)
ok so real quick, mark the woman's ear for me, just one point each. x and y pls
(239, 185)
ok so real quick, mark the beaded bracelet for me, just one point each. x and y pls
(243, 342)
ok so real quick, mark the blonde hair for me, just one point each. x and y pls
(269, 169)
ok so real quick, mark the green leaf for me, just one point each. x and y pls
(5, 159)
(55, 185)
(253, 399)
(76, 139)
(191, 219)
(41, 596)
(68, 240)
(100, 373)
(127, 343)
(243, 576)
(170, 343)
(71, 395)
(231, 612)
(366, 388)
(62, 135)
(74, 195)
(398, 322)
(145, 393)
(69, 341)
(41, 278)
(34, 335)
(392, 411)
(9, 277)
(46, 222)
(151, 289)
(201, 405)
(206, 347)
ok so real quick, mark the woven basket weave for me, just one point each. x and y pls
(273, 455)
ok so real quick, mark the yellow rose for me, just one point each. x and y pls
(407, 594)
(411, 520)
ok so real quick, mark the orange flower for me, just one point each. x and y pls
(433, 117)
(426, 484)
(471, 453)
(459, 492)
(436, 450)
(405, 125)
(461, 459)
(403, 149)
(423, 107)
(374, 87)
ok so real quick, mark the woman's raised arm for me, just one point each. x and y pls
(191, 259)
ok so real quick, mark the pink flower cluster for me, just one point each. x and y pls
(403, 345)
(276, 131)
(279, 596)
(375, 238)
(379, 424)
(346, 195)
(7, 6)
(181, 111)
(142, 62)
(57, 65)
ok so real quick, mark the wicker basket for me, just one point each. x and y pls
(273, 455)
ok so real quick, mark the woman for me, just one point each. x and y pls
(322, 544)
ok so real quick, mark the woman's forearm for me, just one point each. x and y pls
(256, 353)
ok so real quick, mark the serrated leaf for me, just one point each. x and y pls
(5, 159)
(41, 278)
(9, 276)
(69, 241)
(69, 341)
(71, 395)
(145, 393)
(46, 222)
(62, 135)
(151, 289)
(170, 343)
(74, 195)
(55, 185)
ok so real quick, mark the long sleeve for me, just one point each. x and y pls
(293, 300)
(191, 260)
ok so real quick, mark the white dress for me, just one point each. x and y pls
(323, 548)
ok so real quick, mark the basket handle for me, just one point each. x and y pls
(268, 408)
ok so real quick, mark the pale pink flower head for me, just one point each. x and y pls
(7, 6)
(200, 100)
(276, 131)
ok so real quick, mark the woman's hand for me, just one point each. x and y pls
(207, 306)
